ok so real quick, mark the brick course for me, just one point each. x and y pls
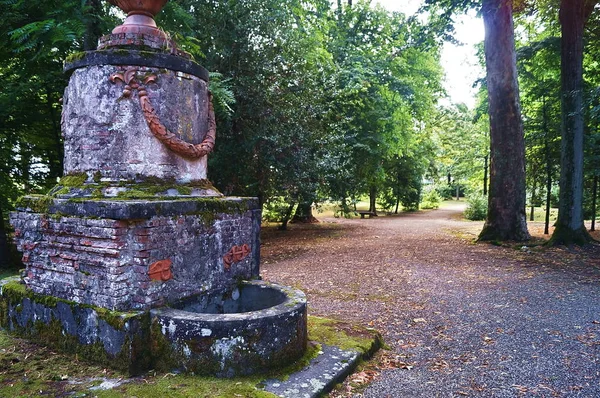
(105, 262)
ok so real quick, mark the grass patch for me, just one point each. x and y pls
(28, 370)
(170, 385)
(343, 335)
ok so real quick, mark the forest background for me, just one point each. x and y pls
(316, 101)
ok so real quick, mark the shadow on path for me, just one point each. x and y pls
(471, 319)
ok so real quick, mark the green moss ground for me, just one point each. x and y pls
(28, 370)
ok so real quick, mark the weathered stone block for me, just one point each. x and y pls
(117, 340)
(111, 266)
(106, 135)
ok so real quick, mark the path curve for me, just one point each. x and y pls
(468, 319)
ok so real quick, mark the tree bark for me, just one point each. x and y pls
(93, 30)
(485, 175)
(286, 217)
(548, 184)
(533, 197)
(373, 200)
(303, 213)
(56, 156)
(569, 225)
(594, 198)
(506, 217)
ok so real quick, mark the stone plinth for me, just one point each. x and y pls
(115, 339)
(107, 129)
(125, 255)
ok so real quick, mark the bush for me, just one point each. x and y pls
(275, 209)
(448, 191)
(477, 208)
(431, 200)
(445, 191)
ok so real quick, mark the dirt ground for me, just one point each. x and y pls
(460, 318)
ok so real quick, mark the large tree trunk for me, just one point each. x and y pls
(569, 225)
(594, 198)
(485, 175)
(303, 213)
(506, 218)
(286, 217)
(55, 157)
(373, 200)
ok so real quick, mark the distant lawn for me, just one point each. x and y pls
(539, 214)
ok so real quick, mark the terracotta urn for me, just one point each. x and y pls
(140, 16)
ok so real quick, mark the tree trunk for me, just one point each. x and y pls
(457, 192)
(533, 189)
(506, 218)
(373, 200)
(303, 213)
(25, 166)
(286, 217)
(548, 184)
(594, 197)
(485, 175)
(569, 226)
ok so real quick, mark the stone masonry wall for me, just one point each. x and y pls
(106, 262)
(106, 133)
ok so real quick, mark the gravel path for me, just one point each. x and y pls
(461, 319)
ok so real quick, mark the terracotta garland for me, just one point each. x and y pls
(193, 151)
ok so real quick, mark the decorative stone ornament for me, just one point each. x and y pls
(160, 270)
(236, 254)
(135, 226)
(161, 132)
(140, 16)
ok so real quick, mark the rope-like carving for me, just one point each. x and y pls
(194, 151)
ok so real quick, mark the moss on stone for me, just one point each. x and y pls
(184, 190)
(75, 180)
(135, 194)
(344, 335)
(165, 359)
(75, 57)
(37, 203)
(133, 356)
(147, 188)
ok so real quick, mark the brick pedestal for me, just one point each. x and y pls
(125, 255)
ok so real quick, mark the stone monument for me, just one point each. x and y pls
(134, 225)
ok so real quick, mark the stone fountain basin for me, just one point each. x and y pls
(255, 327)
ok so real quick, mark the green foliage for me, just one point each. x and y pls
(445, 191)
(431, 199)
(477, 208)
(311, 102)
(275, 209)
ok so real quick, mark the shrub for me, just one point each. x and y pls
(431, 200)
(275, 209)
(477, 208)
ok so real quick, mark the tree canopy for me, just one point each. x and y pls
(315, 101)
